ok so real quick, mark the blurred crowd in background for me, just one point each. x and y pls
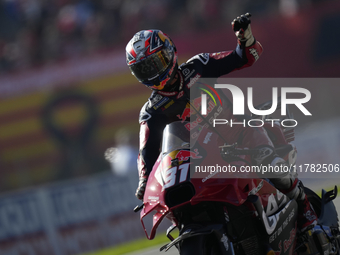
(66, 96)
(49, 33)
(39, 32)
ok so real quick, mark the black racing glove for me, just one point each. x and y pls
(141, 188)
(242, 29)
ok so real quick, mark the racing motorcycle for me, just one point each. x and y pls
(228, 212)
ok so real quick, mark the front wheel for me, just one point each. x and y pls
(201, 245)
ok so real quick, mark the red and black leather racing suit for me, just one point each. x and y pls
(163, 107)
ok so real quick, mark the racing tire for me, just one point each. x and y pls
(200, 245)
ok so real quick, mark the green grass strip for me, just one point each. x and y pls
(136, 245)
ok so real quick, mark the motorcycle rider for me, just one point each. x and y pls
(152, 58)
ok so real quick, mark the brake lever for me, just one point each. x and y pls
(138, 208)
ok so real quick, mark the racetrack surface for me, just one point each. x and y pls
(316, 185)
(155, 251)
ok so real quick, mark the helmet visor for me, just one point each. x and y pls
(152, 66)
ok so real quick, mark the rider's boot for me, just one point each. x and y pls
(307, 217)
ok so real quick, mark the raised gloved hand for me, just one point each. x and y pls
(141, 187)
(242, 29)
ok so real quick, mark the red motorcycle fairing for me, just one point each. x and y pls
(232, 191)
(167, 174)
(154, 200)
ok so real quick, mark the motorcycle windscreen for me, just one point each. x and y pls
(177, 137)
